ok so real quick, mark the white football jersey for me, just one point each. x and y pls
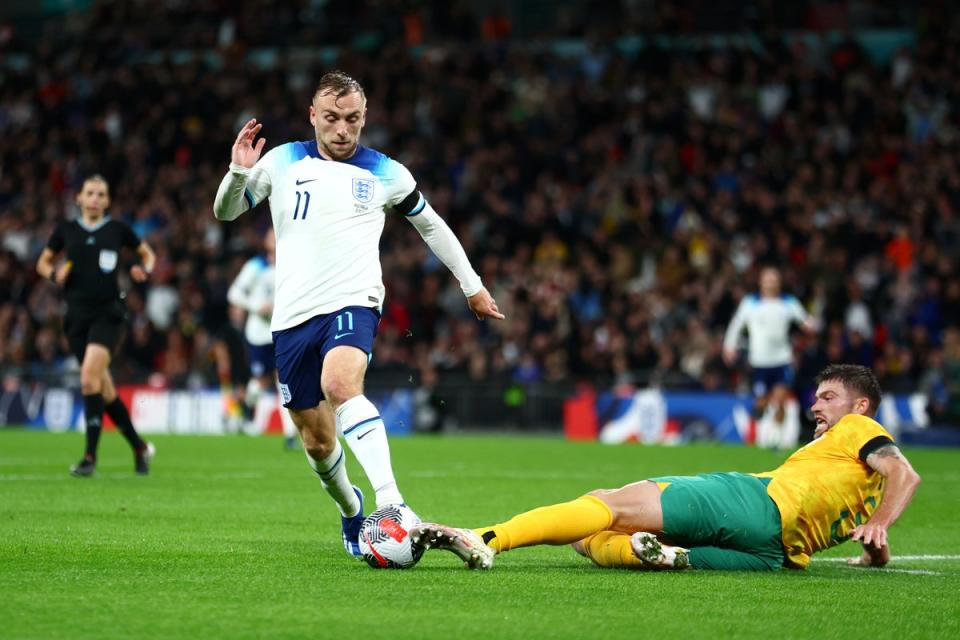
(328, 217)
(768, 323)
(253, 288)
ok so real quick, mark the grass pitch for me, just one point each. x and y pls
(232, 537)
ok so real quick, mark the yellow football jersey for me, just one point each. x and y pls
(824, 490)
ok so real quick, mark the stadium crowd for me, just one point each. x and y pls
(617, 202)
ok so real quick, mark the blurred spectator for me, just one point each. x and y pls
(430, 412)
(951, 377)
(618, 199)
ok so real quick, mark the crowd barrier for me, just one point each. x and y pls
(655, 416)
(624, 414)
(203, 411)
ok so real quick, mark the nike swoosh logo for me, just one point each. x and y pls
(360, 437)
(340, 335)
(300, 182)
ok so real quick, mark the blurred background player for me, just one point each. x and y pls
(768, 317)
(94, 323)
(851, 482)
(252, 291)
(328, 199)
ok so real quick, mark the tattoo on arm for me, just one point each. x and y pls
(885, 458)
(887, 451)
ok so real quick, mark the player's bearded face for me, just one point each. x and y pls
(338, 122)
(833, 402)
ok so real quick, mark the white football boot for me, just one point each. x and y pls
(656, 555)
(465, 543)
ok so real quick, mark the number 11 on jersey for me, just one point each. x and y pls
(305, 196)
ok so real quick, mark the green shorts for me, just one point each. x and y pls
(729, 515)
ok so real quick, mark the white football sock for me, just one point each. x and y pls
(362, 428)
(289, 429)
(332, 472)
(253, 393)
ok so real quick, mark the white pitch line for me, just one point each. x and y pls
(65, 477)
(907, 558)
(508, 475)
(916, 572)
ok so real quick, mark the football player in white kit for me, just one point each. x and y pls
(768, 316)
(252, 291)
(328, 198)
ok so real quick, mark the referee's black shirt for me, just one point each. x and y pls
(95, 254)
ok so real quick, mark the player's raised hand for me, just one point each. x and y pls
(245, 152)
(484, 306)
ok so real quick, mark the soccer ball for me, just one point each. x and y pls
(385, 538)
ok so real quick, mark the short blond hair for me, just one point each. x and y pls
(339, 84)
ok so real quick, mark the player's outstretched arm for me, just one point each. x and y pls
(239, 292)
(732, 334)
(441, 240)
(140, 272)
(901, 482)
(232, 198)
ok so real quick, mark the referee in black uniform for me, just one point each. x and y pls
(96, 313)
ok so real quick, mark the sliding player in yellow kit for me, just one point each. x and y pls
(851, 481)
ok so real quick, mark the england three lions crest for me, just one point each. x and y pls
(363, 189)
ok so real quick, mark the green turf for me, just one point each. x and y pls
(232, 537)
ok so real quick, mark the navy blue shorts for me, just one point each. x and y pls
(300, 350)
(261, 359)
(766, 378)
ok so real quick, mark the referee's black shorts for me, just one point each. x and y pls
(102, 324)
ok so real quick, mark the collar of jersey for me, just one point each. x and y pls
(364, 157)
(94, 227)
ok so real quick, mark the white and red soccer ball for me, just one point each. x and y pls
(385, 538)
